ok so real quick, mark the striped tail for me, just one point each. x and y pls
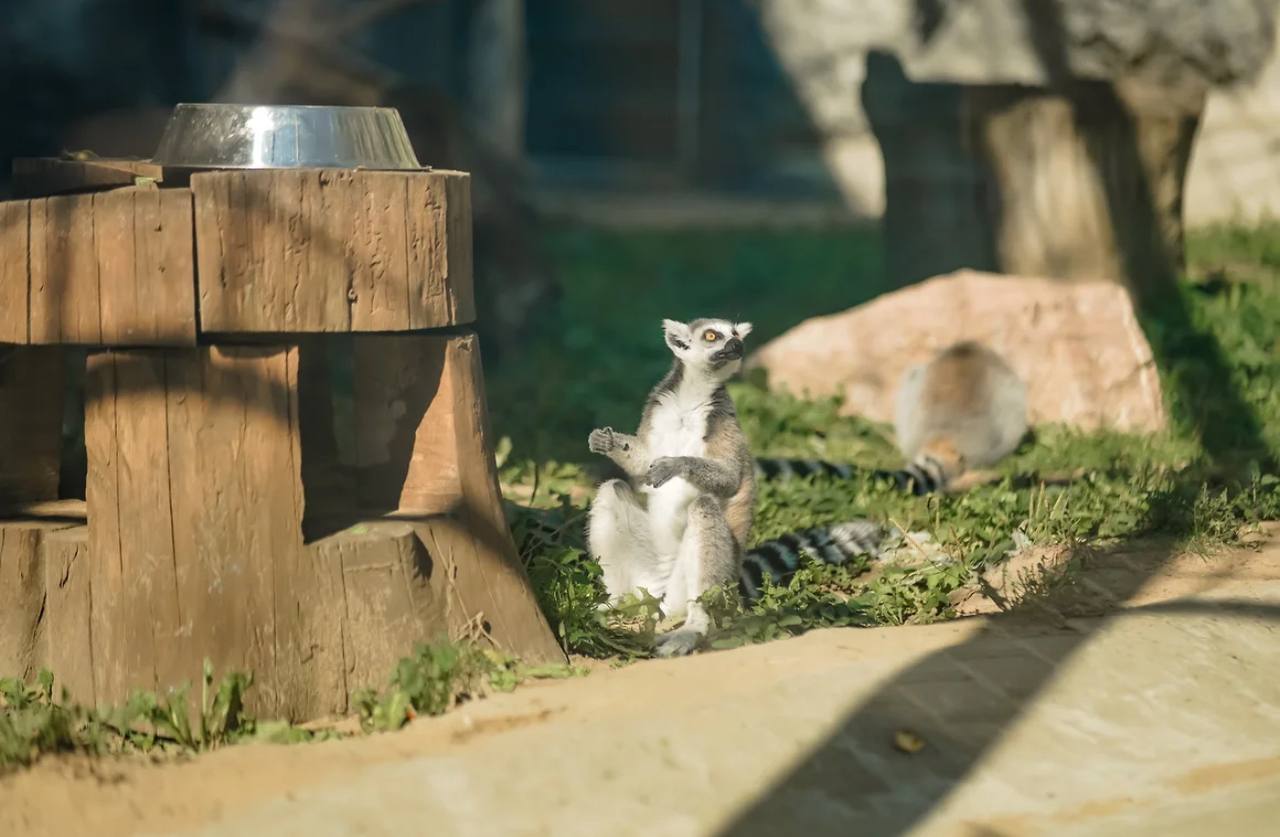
(779, 469)
(779, 558)
(924, 476)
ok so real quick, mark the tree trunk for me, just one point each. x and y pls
(1085, 183)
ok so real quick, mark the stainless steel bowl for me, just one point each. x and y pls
(217, 136)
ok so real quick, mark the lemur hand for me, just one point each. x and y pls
(601, 440)
(663, 469)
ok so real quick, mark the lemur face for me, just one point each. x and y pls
(712, 345)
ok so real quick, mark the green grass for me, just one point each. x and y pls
(37, 719)
(1217, 341)
(34, 719)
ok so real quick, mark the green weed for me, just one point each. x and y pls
(437, 677)
(33, 721)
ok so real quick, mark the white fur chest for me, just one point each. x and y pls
(677, 427)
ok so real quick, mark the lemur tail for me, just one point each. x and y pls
(779, 558)
(924, 475)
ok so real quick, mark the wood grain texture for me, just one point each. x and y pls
(460, 256)
(332, 250)
(496, 580)
(406, 451)
(194, 502)
(68, 649)
(423, 452)
(194, 546)
(387, 601)
(133, 574)
(15, 267)
(22, 596)
(158, 307)
(44, 176)
(65, 306)
(111, 268)
(236, 491)
(31, 394)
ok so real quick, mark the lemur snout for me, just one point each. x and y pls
(732, 350)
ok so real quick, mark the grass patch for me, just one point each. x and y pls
(36, 719)
(435, 678)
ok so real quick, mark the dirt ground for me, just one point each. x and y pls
(1169, 699)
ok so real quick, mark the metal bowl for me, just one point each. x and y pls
(217, 136)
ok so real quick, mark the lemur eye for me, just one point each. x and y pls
(710, 336)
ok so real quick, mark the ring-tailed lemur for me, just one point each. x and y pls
(963, 409)
(678, 527)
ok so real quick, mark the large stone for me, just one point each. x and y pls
(1078, 347)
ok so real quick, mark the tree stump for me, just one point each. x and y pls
(221, 519)
(1085, 182)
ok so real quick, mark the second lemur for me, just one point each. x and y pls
(963, 409)
(679, 525)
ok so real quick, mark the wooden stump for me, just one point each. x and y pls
(1079, 181)
(196, 531)
(22, 596)
(1086, 183)
(68, 611)
(223, 522)
(260, 252)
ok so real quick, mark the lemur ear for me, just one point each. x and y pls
(743, 329)
(677, 334)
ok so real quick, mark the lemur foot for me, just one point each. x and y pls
(679, 643)
(661, 470)
(601, 440)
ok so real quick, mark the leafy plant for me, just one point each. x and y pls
(32, 721)
(438, 676)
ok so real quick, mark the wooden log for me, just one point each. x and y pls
(146, 267)
(43, 176)
(194, 512)
(497, 579)
(22, 596)
(196, 504)
(64, 301)
(421, 426)
(405, 440)
(68, 650)
(332, 250)
(136, 619)
(1113, 158)
(31, 395)
(112, 268)
(66, 511)
(384, 595)
(15, 221)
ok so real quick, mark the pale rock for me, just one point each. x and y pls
(1078, 347)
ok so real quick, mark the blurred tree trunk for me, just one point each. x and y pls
(1085, 182)
(496, 64)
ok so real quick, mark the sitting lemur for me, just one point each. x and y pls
(678, 527)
